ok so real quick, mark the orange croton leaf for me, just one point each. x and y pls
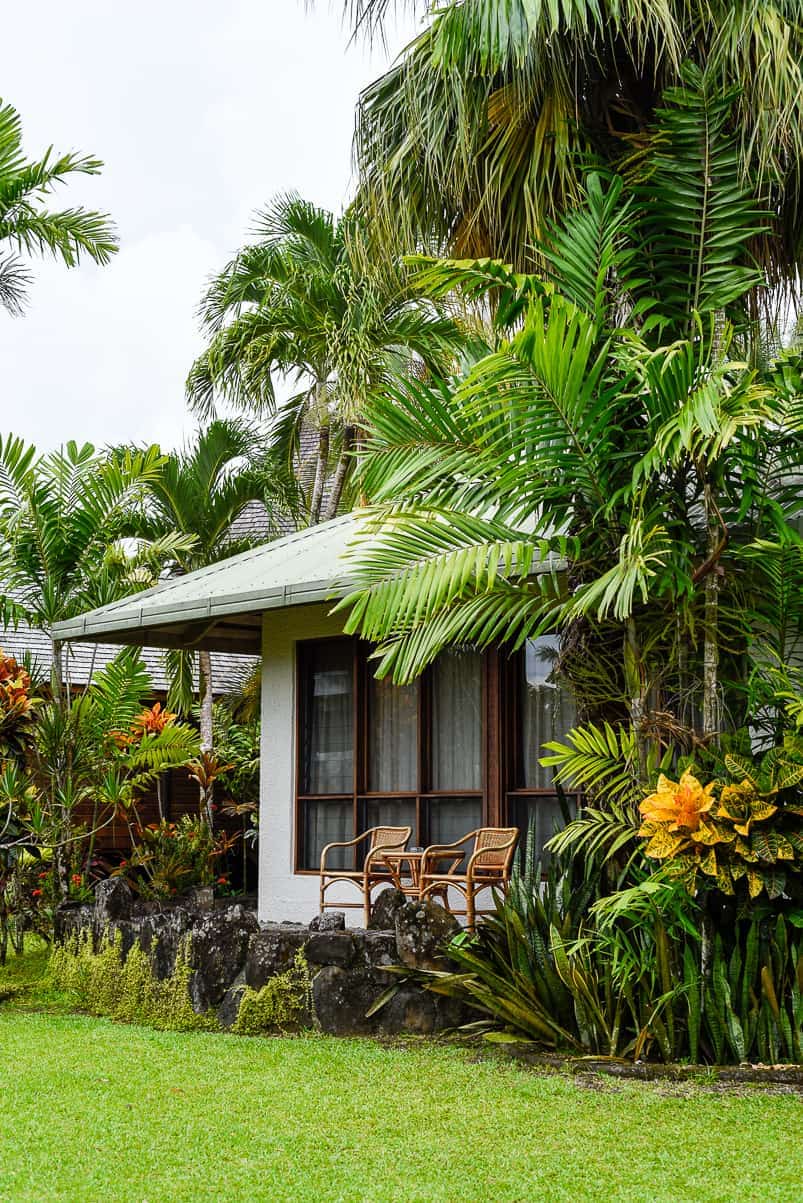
(15, 685)
(679, 803)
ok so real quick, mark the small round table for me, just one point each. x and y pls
(407, 880)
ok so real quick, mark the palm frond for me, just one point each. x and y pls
(181, 670)
(15, 280)
(599, 761)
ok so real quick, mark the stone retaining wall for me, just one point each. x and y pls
(229, 950)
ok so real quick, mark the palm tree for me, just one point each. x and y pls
(60, 514)
(198, 494)
(27, 227)
(621, 434)
(61, 517)
(480, 134)
(309, 299)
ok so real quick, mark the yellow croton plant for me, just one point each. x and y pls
(726, 832)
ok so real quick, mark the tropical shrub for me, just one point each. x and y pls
(170, 858)
(742, 833)
(628, 975)
(542, 968)
(102, 747)
(17, 709)
(751, 1003)
(237, 738)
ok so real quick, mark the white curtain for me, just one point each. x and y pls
(452, 818)
(323, 823)
(393, 737)
(457, 721)
(391, 812)
(328, 735)
(548, 708)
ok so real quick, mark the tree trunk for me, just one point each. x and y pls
(57, 671)
(711, 718)
(343, 465)
(634, 684)
(320, 475)
(3, 926)
(206, 699)
(711, 715)
(60, 783)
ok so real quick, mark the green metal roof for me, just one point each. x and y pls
(219, 607)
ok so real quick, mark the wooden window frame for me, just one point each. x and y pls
(515, 790)
(502, 745)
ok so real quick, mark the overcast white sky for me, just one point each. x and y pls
(201, 111)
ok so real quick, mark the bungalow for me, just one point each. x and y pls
(342, 751)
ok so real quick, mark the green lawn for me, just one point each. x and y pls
(92, 1110)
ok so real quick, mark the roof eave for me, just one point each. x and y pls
(153, 623)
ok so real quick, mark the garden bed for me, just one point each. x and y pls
(790, 1076)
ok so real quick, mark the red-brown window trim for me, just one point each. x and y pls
(502, 760)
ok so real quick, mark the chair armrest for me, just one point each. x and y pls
(436, 852)
(448, 847)
(339, 844)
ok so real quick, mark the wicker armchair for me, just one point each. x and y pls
(488, 865)
(381, 840)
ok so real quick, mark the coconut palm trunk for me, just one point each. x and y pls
(711, 715)
(634, 678)
(62, 778)
(206, 699)
(320, 474)
(341, 475)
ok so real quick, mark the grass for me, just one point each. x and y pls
(23, 982)
(93, 1110)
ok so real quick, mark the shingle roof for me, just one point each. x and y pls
(84, 659)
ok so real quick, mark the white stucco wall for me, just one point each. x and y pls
(284, 894)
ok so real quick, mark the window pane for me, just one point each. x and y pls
(547, 708)
(546, 816)
(327, 720)
(393, 736)
(457, 721)
(323, 822)
(452, 818)
(391, 812)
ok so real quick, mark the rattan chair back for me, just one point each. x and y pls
(492, 845)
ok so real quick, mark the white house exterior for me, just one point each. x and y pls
(284, 892)
(341, 752)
